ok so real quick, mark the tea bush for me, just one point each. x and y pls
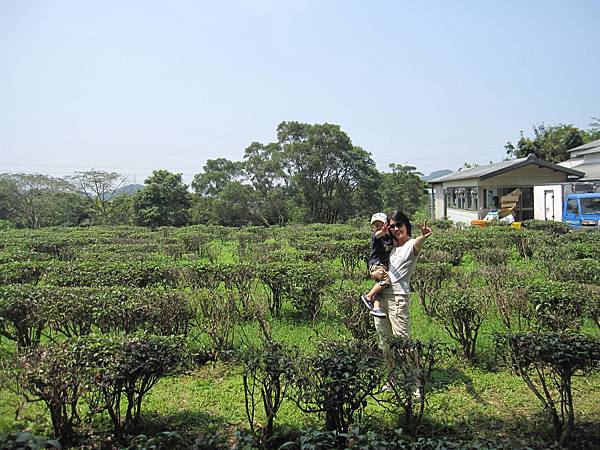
(460, 311)
(111, 371)
(267, 370)
(27, 311)
(336, 382)
(547, 363)
(124, 369)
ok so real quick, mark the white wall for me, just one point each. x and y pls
(547, 202)
(460, 215)
(439, 201)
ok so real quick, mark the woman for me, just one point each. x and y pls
(395, 300)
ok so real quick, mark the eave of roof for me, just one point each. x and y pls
(589, 145)
(493, 170)
(591, 171)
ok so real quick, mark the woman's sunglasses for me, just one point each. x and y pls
(393, 226)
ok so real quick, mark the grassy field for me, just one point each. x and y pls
(468, 402)
(483, 400)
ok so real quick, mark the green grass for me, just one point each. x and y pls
(479, 400)
(465, 401)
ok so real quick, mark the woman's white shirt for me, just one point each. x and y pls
(402, 265)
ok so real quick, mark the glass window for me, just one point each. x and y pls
(462, 198)
(472, 201)
(590, 205)
(572, 206)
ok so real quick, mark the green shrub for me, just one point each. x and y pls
(55, 375)
(414, 361)
(460, 311)
(22, 272)
(427, 279)
(507, 291)
(441, 224)
(353, 313)
(111, 371)
(493, 256)
(454, 243)
(124, 369)
(305, 286)
(267, 377)
(547, 363)
(21, 315)
(548, 226)
(215, 314)
(26, 441)
(585, 270)
(28, 311)
(555, 305)
(132, 273)
(352, 253)
(336, 381)
(360, 439)
(592, 303)
(274, 276)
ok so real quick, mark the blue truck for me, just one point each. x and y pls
(582, 211)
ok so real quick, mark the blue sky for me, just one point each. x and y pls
(132, 85)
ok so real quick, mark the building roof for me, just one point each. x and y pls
(590, 147)
(591, 171)
(493, 170)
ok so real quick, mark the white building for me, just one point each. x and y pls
(548, 198)
(469, 194)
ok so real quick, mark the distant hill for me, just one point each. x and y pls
(437, 174)
(130, 189)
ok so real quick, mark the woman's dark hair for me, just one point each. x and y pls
(400, 217)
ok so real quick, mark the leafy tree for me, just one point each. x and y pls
(99, 188)
(550, 142)
(594, 132)
(217, 173)
(403, 188)
(235, 204)
(29, 199)
(220, 196)
(66, 209)
(121, 209)
(325, 170)
(164, 200)
(264, 168)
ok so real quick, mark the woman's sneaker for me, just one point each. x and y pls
(368, 303)
(377, 313)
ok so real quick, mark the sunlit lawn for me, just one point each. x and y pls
(484, 400)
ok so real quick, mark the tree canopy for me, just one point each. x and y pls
(552, 142)
(164, 200)
(311, 173)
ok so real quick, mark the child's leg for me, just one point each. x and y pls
(375, 291)
(376, 303)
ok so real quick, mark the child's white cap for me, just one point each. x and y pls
(378, 216)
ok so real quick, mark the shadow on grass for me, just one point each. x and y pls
(442, 378)
(187, 421)
(517, 432)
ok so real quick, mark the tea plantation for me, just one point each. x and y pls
(211, 337)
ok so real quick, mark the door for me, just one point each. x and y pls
(571, 212)
(548, 205)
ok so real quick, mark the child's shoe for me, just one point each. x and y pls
(377, 313)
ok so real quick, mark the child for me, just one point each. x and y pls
(381, 245)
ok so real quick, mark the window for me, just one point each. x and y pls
(572, 206)
(462, 198)
(472, 201)
(590, 205)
